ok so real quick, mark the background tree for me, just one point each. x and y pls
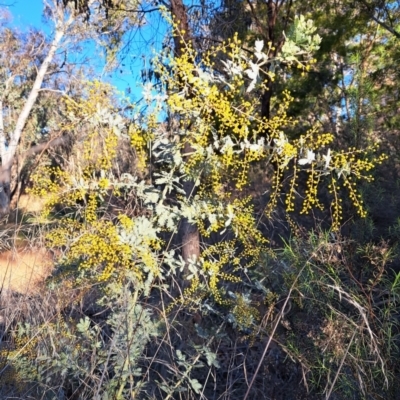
(10, 140)
(49, 57)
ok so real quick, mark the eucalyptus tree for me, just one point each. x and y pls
(30, 63)
(14, 65)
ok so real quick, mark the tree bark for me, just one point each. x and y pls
(5, 173)
(273, 8)
(272, 15)
(5, 192)
(188, 232)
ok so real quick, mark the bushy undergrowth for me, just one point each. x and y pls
(320, 314)
(345, 305)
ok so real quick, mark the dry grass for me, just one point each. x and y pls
(24, 269)
(23, 266)
(30, 204)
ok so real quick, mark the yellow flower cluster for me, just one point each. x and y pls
(98, 95)
(311, 193)
(96, 248)
(47, 184)
(91, 208)
(349, 167)
(103, 184)
(224, 113)
(99, 151)
(192, 296)
(346, 166)
(139, 140)
(126, 222)
(95, 154)
(277, 179)
(47, 180)
(245, 228)
(99, 251)
(337, 209)
(206, 229)
(216, 258)
(25, 346)
(100, 143)
(245, 314)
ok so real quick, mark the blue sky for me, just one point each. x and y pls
(28, 14)
(25, 12)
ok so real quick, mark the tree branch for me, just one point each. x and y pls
(58, 141)
(387, 27)
(370, 11)
(16, 135)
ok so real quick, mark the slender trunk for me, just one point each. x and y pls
(189, 233)
(5, 181)
(5, 171)
(16, 135)
(268, 91)
(269, 29)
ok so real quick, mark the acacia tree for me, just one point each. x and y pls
(273, 22)
(270, 21)
(270, 30)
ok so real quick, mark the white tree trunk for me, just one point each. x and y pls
(16, 135)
